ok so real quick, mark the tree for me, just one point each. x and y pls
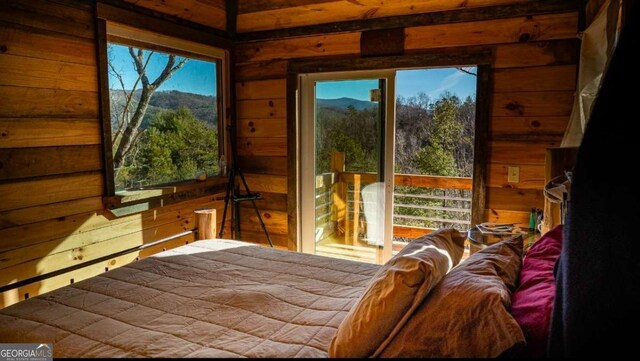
(175, 147)
(128, 130)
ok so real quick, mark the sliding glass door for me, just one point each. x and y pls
(346, 179)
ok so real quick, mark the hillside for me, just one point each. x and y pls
(344, 103)
(203, 107)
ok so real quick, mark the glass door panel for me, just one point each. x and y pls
(345, 164)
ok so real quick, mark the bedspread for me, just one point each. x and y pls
(214, 298)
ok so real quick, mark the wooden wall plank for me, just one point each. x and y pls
(210, 12)
(33, 102)
(549, 103)
(33, 162)
(49, 190)
(21, 42)
(502, 126)
(262, 109)
(266, 183)
(310, 46)
(512, 30)
(68, 258)
(520, 218)
(275, 221)
(279, 240)
(514, 152)
(263, 165)
(50, 74)
(276, 147)
(538, 53)
(514, 199)
(43, 132)
(55, 16)
(546, 78)
(40, 213)
(262, 128)
(531, 176)
(271, 201)
(261, 89)
(261, 70)
(277, 15)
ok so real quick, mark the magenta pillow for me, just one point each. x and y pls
(533, 299)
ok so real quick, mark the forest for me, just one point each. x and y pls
(432, 137)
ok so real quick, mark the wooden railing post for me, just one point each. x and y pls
(339, 191)
(356, 207)
(206, 221)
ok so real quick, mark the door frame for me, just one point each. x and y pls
(480, 57)
(307, 145)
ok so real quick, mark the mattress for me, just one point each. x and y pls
(213, 298)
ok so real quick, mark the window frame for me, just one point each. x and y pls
(122, 33)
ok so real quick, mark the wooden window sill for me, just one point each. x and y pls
(134, 201)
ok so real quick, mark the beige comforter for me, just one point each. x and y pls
(206, 299)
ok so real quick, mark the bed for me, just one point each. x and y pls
(223, 298)
(213, 298)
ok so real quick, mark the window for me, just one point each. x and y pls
(165, 111)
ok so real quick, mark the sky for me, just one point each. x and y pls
(196, 76)
(409, 83)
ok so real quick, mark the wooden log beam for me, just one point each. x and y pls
(206, 221)
(531, 8)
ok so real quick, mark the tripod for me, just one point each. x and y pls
(235, 197)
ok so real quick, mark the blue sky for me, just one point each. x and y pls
(409, 83)
(195, 76)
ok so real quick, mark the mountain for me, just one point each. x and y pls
(203, 107)
(344, 103)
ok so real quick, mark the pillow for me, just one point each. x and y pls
(466, 314)
(395, 291)
(533, 299)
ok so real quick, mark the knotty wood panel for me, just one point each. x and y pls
(43, 132)
(514, 199)
(528, 126)
(34, 102)
(262, 109)
(546, 78)
(519, 152)
(50, 74)
(262, 128)
(549, 103)
(66, 17)
(266, 15)
(264, 165)
(310, 46)
(513, 30)
(49, 190)
(269, 69)
(22, 216)
(530, 176)
(262, 146)
(275, 221)
(262, 89)
(25, 42)
(520, 218)
(536, 53)
(209, 12)
(270, 201)
(266, 183)
(34, 162)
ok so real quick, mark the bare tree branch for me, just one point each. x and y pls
(462, 69)
(168, 70)
(140, 68)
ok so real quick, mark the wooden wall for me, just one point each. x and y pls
(211, 13)
(51, 180)
(533, 80)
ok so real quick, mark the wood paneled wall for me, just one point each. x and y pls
(51, 180)
(533, 80)
(205, 12)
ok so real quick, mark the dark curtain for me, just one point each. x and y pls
(597, 304)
